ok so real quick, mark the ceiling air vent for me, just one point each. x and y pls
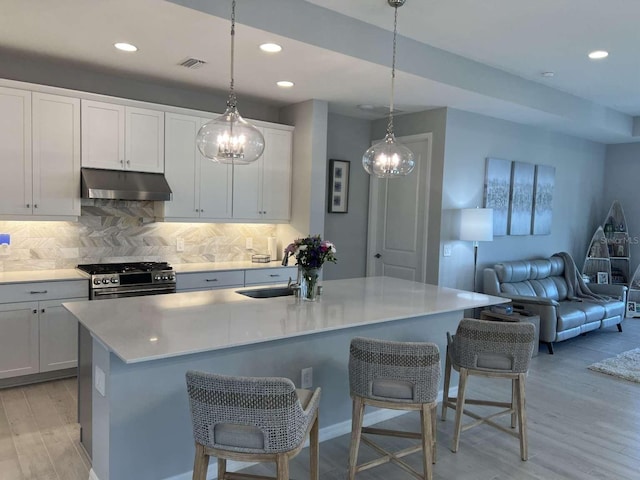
(191, 63)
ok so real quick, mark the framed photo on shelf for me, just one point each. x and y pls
(631, 309)
(338, 186)
(603, 277)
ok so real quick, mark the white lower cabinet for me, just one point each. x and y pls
(19, 343)
(209, 280)
(58, 336)
(40, 335)
(265, 276)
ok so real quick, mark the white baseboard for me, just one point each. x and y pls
(326, 433)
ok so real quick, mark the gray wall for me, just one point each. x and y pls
(622, 177)
(578, 195)
(40, 70)
(348, 138)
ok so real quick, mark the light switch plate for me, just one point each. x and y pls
(446, 250)
(179, 244)
(249, 243)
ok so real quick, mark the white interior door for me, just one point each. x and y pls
(398, 218)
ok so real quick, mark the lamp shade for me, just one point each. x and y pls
(476, 224)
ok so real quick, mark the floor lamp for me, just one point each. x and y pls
(476, 225)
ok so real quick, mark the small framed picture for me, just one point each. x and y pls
(631, 309)
(338, 195)
(603, 277)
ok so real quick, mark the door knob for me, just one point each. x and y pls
(377, 255)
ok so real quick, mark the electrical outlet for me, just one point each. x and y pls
(249, 243)
(446, 250)
(306, 377)
(179, 244)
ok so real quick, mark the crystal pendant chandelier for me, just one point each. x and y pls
(230, 138)
(388, 158)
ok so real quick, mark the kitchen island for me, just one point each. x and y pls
(143, 346)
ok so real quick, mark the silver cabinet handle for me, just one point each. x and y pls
(37, 292)
(35, 205)
(35, 311)
(211, 280)
(121, 162)
(42, 311)
(274, 275)
(128, 162)
(28, 205)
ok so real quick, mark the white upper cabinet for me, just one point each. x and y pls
(201, 188)
(262, 190)
(15, 152)
(116, 137)
(56, 155)
(40, 154)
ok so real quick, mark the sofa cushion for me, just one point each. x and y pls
(613, 308)
(594, 312)
(518, 288)
(512, 272)
(569, 316)
(545, 287)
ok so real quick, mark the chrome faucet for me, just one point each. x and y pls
(294, 286)
(285, 260)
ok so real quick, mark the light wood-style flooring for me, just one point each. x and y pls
(583, 425)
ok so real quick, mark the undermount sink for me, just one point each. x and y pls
(267, 292)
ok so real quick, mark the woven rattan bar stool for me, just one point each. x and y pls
(399, 376)
(489, 349)
(251, 419)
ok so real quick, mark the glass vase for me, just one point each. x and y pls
(308, 283)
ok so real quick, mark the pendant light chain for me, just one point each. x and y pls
(232, 101)
(393, 70)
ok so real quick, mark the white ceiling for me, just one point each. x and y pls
(488, 54)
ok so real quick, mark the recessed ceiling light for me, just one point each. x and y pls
(284, 84)
(270, 47)
(547, 74)
(366, 106)
(598, 54)
(125, 47)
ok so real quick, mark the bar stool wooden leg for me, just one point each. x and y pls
(314, 451)
(462, 383)
(282, 466)
(447, 381)
(222, 468)
(522, 417)
(514, 402)
(434, 414)
(200, 463)
(427, 439)
(356, 432)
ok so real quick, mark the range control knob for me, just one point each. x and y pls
(96, 281)
(157, 278)
(105, 280)
(172, 277)
(114, 279)
(164, 277)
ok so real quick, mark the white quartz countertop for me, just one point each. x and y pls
(41, 276)
(219, 266)
(140, 329)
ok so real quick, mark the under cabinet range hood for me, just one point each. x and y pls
(119, 185)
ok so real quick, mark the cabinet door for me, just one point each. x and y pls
(144, 140)
(102, 135)
(58, 336)
(247, 189)
(181, 161)
(216, 182)
(56, 155)
(15, 151)
(276, 176)
(18, 339)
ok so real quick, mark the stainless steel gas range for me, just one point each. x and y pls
(118, 280)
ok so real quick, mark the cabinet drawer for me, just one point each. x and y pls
(270, 275)
(209, 280)
(36, 291)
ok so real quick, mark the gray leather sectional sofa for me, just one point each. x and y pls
(540, 286)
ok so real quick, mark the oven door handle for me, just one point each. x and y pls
(97, 292)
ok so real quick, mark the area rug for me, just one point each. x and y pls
(625, 366)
